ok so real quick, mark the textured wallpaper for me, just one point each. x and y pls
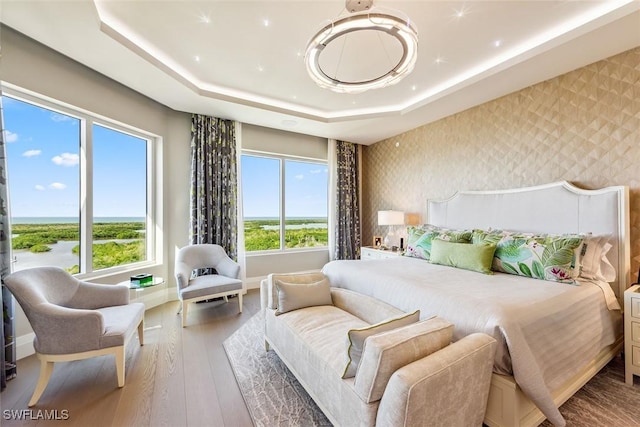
(583, 127)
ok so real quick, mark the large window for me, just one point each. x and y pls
(78, 188)
(284, 203)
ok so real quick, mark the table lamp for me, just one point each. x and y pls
(390, 218)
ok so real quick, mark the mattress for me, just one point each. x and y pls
(546, 331)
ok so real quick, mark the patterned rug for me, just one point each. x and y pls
(275, 398)
(272, 394)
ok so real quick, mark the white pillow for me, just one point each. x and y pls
(292, 296)
(595, 264)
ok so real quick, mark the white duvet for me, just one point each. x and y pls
(546, 330)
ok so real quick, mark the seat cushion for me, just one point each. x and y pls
(210, 284)
(120, 322)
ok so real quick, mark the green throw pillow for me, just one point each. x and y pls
(463, 255)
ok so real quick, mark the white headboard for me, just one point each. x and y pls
(552, 208)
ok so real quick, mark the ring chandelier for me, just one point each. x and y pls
(401, 29)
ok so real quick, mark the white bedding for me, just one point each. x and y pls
(546, 330)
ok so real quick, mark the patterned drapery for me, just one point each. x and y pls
(214, 183)
(5, 248)
(347, 229)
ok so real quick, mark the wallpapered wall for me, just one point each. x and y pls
(583, 127)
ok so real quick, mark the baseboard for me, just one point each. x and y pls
(253, 282)
(24, 346)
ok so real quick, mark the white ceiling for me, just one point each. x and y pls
(250, 64)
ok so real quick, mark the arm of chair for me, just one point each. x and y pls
(94, 295)
(264, 294)
(62, 330)
(183, 274)
(228, 267)
(448, 387)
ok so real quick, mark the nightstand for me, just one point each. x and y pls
(369, 252)
(631, 333)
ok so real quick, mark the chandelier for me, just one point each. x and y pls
(363, 18)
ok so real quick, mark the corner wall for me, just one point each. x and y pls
(582, 127)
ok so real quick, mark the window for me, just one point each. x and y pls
(284, 202)
(82, 212)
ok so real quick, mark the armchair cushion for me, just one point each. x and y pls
(203, 286)
(120, 323)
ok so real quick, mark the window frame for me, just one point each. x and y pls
(282, 158)
(85, 191)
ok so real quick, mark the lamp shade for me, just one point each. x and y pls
(390, 218)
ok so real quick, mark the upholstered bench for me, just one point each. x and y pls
(365, 362)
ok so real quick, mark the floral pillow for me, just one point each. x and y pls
(546, 257)
(419, 239)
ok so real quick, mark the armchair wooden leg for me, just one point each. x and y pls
(240, 301)
(46, 369)
(141, 332)
(119, 353)
(184, 313)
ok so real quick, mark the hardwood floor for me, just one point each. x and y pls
(180, 377)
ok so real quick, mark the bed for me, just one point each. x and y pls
(554, 336)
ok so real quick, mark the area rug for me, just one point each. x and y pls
(275, 398)
(272, 394)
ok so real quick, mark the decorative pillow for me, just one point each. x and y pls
(546, 257)
(475, 257)
(358, 336)
(292, 296)
(385, 353)
(419, 239)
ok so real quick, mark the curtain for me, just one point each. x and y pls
(214, 183)
(242, 254)
(5, 257)
(347, 201)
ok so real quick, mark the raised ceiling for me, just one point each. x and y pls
(244, 60)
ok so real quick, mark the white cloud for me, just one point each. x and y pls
(56, 117)
(31, 153)
(66, 159)
(10, 136)
(314, 171)
(300, 177)
(39, 187)
(57, 186)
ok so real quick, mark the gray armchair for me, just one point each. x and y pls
(74, 320)
(192, 289)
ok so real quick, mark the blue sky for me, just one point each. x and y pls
(305, 188)
(43, 149)
(44, 172)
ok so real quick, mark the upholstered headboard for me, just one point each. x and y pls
(553, 208)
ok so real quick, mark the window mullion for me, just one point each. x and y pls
(86, 196)
(282, 205)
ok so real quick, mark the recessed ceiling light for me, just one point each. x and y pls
(197, 58)
(497, 43)
(439, 60)
(265, 22)
(260, 68)
(414, 87)
(460, 13)
(204, 18)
